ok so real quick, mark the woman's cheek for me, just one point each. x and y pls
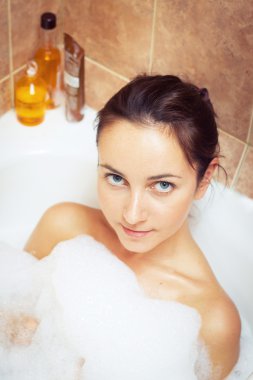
(176, 210)
(108, 200)
(102, 196)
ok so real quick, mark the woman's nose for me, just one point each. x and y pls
(134, 211)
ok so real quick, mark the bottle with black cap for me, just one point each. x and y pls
(48, 58)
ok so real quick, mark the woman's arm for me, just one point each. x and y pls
(60, 222)
(18, 328)
(221, 333)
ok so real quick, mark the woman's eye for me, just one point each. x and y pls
(163, 186)
(115, 179)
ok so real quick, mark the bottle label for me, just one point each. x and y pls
(71, 80)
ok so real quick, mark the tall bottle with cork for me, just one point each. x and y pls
(48, 58)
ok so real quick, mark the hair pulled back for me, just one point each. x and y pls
(169, 103)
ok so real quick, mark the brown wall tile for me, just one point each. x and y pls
(25, 19)
(232, 150)
(5, 96)
(100, 85)
(117, 34)
(4, 40)
(211, 43)
(245, 179)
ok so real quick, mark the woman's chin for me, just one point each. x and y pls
(135, 245)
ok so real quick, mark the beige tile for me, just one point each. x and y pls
(5, 96)
(211, 43)
(25, 19)
(245, 179)
(100, 85)
(4, 41)
(231, 150)
(117, 34)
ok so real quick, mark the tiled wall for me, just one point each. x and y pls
(209, 42)
(19, 33)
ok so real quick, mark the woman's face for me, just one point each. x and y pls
(145, 184)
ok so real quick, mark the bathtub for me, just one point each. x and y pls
(40, 166)
(56, 161)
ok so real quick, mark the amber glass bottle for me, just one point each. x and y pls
(48, 58)
(30, 96)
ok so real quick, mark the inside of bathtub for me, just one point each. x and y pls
(57, 164)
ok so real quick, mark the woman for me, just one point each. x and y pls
(158, 150)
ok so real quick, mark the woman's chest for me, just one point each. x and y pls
(165, 284)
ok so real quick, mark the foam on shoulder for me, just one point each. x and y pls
(144, 338)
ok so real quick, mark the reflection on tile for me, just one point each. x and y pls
(5, 96)
(231, 150)
(211, 43)
(25, 16)
(245, 179)
(4, 42)
(100, 85)
(117, 34)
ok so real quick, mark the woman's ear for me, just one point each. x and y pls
(205, 181)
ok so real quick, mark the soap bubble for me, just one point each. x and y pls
(80, 314)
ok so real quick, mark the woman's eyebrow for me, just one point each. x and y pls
(153, 177)
(109, 167)
(160, 176)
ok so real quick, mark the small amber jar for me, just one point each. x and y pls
(30, 97)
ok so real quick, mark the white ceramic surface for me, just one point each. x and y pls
(43, 165)
(56, 161)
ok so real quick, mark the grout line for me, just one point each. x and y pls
(4, 78)
(241, 161)
(250, 128)
(107, 69)
(152, 42)
(232, 136)
(19, 69)
(10, 52)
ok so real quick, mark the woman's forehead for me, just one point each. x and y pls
(136, 145)
(132, 130)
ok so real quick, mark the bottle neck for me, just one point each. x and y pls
(48, 38)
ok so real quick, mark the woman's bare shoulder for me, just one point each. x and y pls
(221, 329)
(60, 222)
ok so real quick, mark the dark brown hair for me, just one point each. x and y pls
(168, 102)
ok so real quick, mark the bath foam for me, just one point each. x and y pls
(91, 310)
(35, 350)
(120, 332)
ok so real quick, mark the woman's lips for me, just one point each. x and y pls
(134, 233)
